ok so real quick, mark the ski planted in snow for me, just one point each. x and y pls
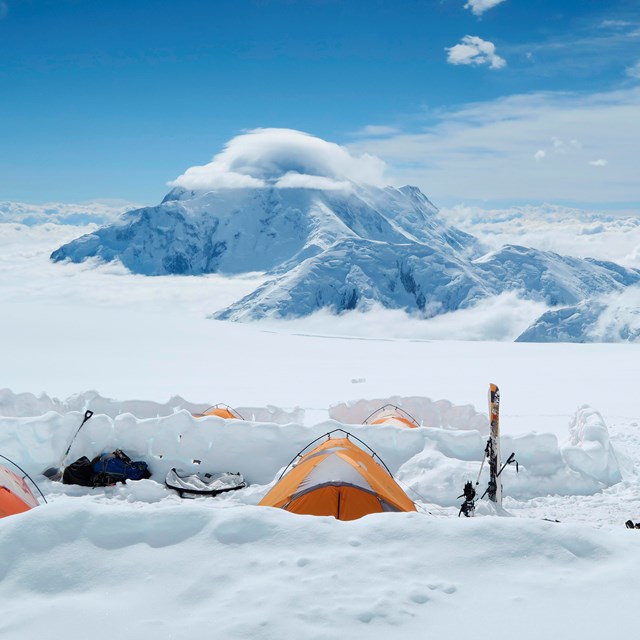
(494, 491)
(492, 454)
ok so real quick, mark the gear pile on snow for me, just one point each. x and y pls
(105, 469)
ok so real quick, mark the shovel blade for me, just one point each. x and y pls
(53, 473)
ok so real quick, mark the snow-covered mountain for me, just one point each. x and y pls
(612, 318)
(567, 324)
(263, 229)
(307, 213)
(337, 249)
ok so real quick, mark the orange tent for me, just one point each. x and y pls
(15, 495)
(220, 410)
(338, 479)
(390, 414)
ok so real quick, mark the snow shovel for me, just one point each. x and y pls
(55, 473)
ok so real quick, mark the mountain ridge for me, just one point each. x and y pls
(340, 249)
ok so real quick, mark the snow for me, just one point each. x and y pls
(135, 559)
(165, 567)
(182, 570)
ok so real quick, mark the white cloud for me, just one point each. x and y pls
(293, 180)
(375, 130)
(616, 24)
(598, 163)
(502, 317)
(539, 154)
(564, 230)
(620, 319)
(283, 158)
(475, 51)
(478, 7)
(482, 151)
(560, 146)
(634, 71)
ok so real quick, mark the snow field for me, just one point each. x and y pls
(189, 569)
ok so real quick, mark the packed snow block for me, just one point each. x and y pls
(589, 450)
(37, 443)
(537, 453)
(26, 404)
(273, 414)
(461, 417)
(435, 478)
(140, 408)
(439, 414)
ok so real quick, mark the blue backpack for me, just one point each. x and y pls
(110, 468)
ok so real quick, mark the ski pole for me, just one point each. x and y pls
(510, 459)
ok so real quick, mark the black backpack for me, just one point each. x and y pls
(79, 472)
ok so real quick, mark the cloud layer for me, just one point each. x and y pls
(99, 212)
(473, 50)
(503, 317)
(523, 148)
(565, 230)
(283, 158)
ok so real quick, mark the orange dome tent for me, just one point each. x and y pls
(390, 414)
(220, 410)
(15, 495)
(338, 478)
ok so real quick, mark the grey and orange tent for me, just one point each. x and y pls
(337, 478)
(222, 411)
(15, 495)
(390, 414)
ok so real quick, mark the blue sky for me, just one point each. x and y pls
(113, 99)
